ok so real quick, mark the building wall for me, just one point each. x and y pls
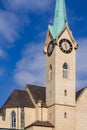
(42, 128)
(7, 122)
(51, 114)
(56, 100)
(50, 84)
(30, 128)
(75, 115)
(81, 112)
(29, 117)
(55, 87)
(61, 83)
(39, 128)
(62, 121)
(44, 114)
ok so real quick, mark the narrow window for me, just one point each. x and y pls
(65, 70)
(3, 114)
(65, 115)
(50, 72)
(13, 120)
(50, 92)
(50, 115)
(22, 118)
(65, 92)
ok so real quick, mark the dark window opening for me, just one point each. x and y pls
(65, 70)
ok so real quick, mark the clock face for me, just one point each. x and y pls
(65, 45)
(50, 48)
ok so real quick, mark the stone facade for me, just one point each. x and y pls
(60, 115)
(81, 111)
(57, 101)
(57, 106)
(6, 123)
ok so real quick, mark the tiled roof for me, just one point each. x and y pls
(41, 123)
(19, 98)
(38, 93)
(78, 93)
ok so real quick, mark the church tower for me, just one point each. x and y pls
(60, 49)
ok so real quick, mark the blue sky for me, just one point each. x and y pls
(23, 28)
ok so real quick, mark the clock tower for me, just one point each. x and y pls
(60, 49)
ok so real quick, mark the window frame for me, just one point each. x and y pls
(65, 115)
(65, 70)
(65, 92)
(22, 118)
(50, 72)
(13, 119)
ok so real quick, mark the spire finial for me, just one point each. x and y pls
(60, 19)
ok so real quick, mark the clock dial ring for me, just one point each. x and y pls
(65, 46)
(50, 48)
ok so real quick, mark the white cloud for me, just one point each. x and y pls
(82, 56)
(9, 25)
(25, 5)
(82, 63)
(11, 22)
(31, 68)
(2, 53)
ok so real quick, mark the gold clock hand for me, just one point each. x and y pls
(65, 46)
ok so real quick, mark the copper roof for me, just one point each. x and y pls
(41, 123)
(18, 98)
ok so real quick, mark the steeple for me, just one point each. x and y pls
(60, 19)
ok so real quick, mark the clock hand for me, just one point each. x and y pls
(65, 46)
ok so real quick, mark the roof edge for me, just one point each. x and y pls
(80, 92)
(41, 124)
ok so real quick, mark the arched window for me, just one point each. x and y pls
(65, 70)
(13, 119)
(50, 72)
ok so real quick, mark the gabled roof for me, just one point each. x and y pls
(21, 98)
(18, 98)
(41, 123)
(60, 34)
(38, 93)
(79, 92)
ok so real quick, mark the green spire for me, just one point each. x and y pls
(60, 19)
